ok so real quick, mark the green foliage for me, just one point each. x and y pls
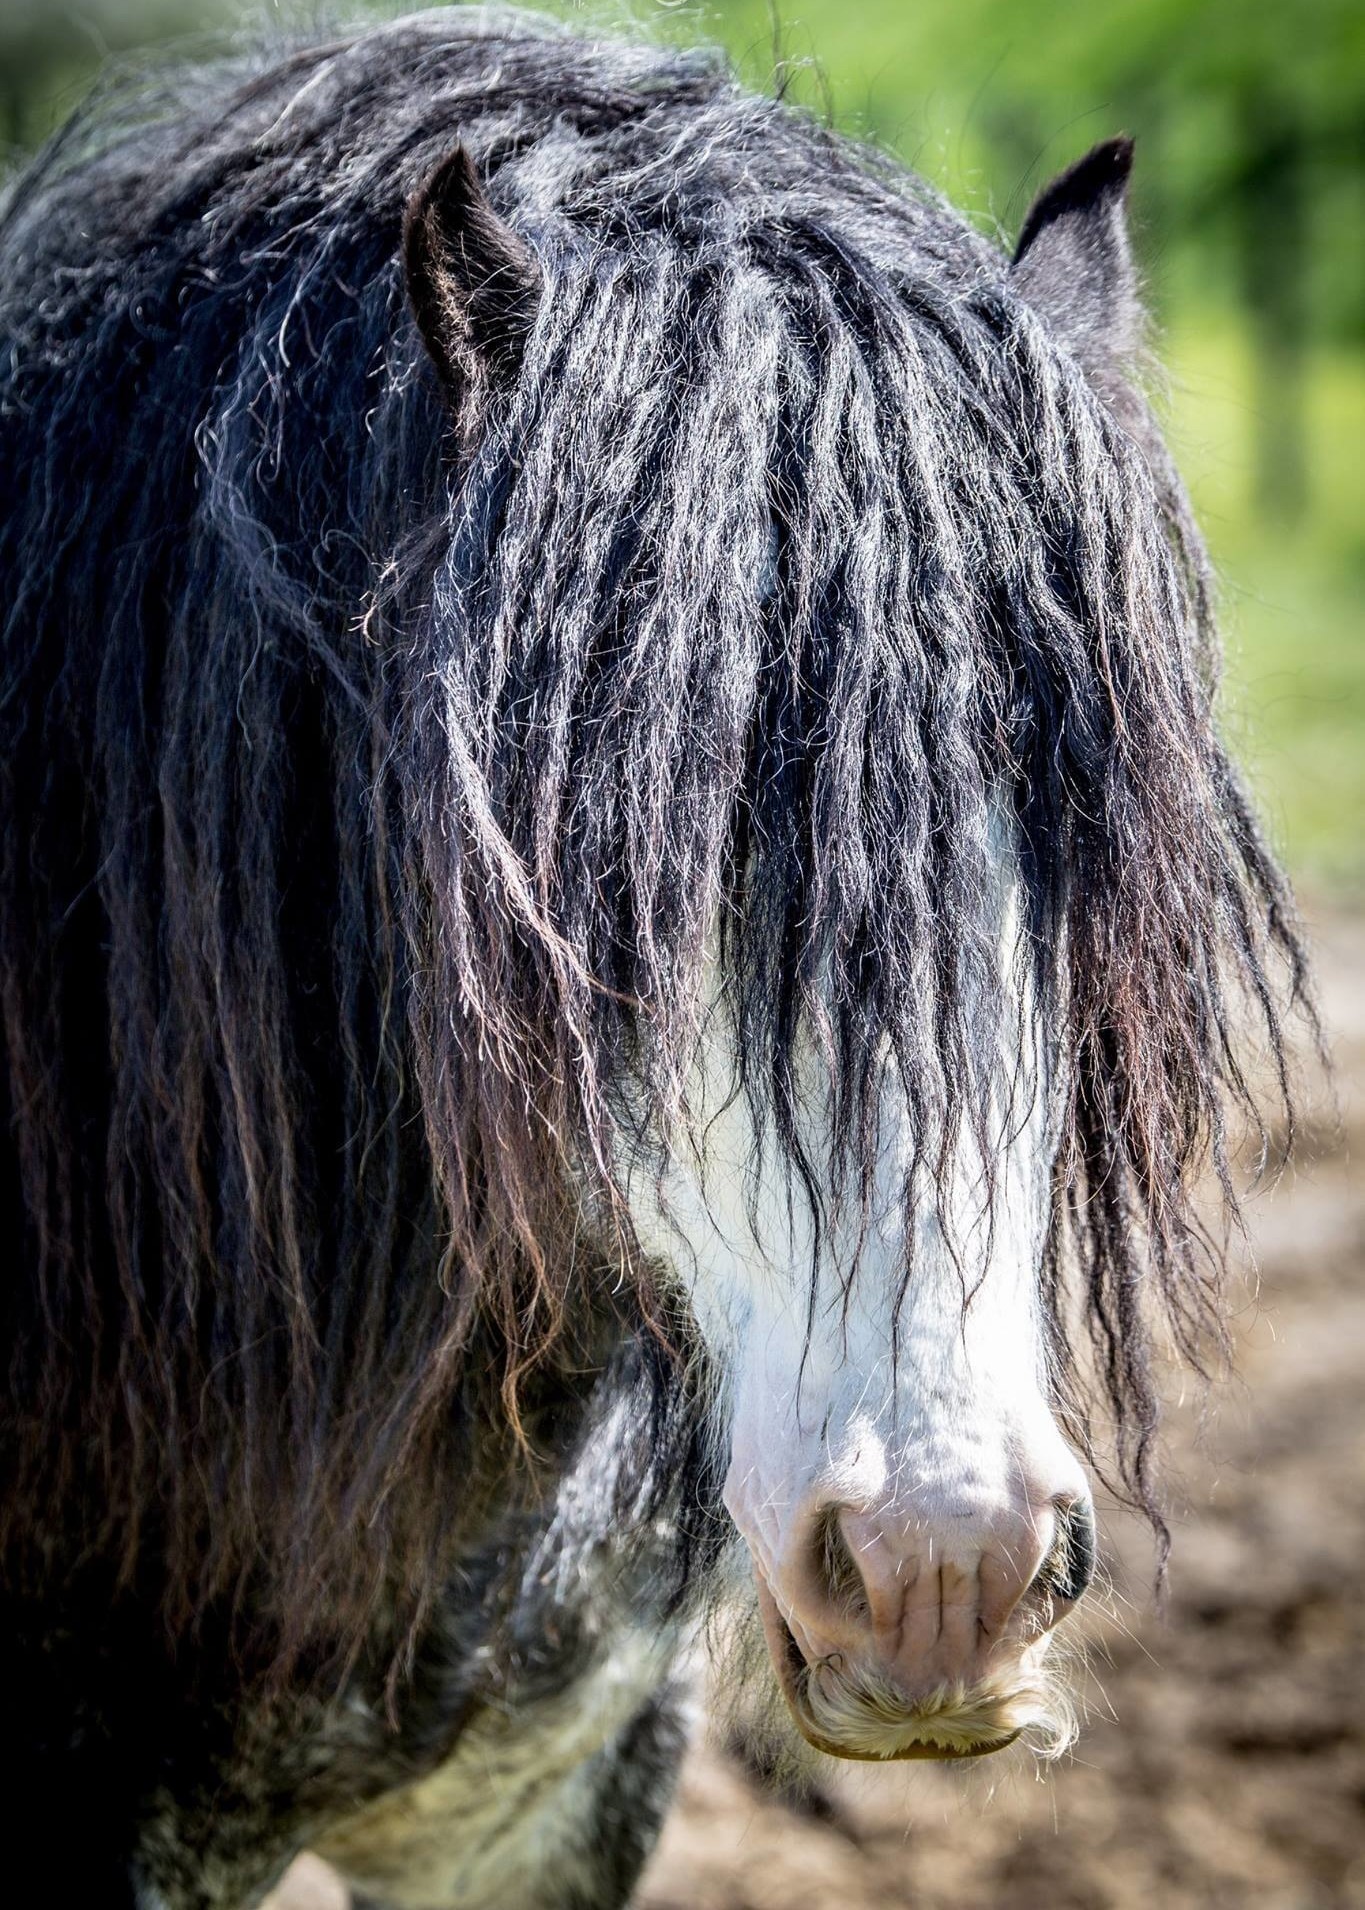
(1292, 594)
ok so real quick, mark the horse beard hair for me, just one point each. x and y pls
(748, 1715)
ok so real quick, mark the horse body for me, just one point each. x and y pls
(618, 902)
(529, 1759)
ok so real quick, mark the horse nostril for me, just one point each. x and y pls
(1071, 1563)
(839, 1575)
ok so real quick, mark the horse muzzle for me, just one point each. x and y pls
(862, 1717)
(895, 1650)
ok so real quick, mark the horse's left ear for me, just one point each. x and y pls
(473, 285)
(1073, 262)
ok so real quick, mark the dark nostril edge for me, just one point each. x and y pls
(840, 1578)
(1071, 1563)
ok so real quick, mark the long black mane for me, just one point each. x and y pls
(376, 779)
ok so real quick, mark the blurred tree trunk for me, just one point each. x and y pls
(1272, 223)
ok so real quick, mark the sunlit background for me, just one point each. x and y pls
(1233, 1771)
(1249, 204)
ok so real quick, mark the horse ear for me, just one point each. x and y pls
(473, 285)
(1073, 262)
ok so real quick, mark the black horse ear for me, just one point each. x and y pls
(472, 283)
(1073, 262)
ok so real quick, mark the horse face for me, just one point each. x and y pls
(916, 1521)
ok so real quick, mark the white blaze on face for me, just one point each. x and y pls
(921, 1423)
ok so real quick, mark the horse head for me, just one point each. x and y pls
(883, 787)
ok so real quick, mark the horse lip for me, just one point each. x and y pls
(789, 1665)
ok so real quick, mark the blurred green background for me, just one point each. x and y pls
(1249, 209)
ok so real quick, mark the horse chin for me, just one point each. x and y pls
(912, 1737)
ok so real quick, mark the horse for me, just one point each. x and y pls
(624, 931)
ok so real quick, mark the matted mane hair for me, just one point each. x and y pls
(382, 759)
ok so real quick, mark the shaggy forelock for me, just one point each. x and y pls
(425, 755)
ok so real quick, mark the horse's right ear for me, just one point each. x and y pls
(1073, 262)
(473, 285)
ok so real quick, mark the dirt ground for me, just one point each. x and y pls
(1223, 1761)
